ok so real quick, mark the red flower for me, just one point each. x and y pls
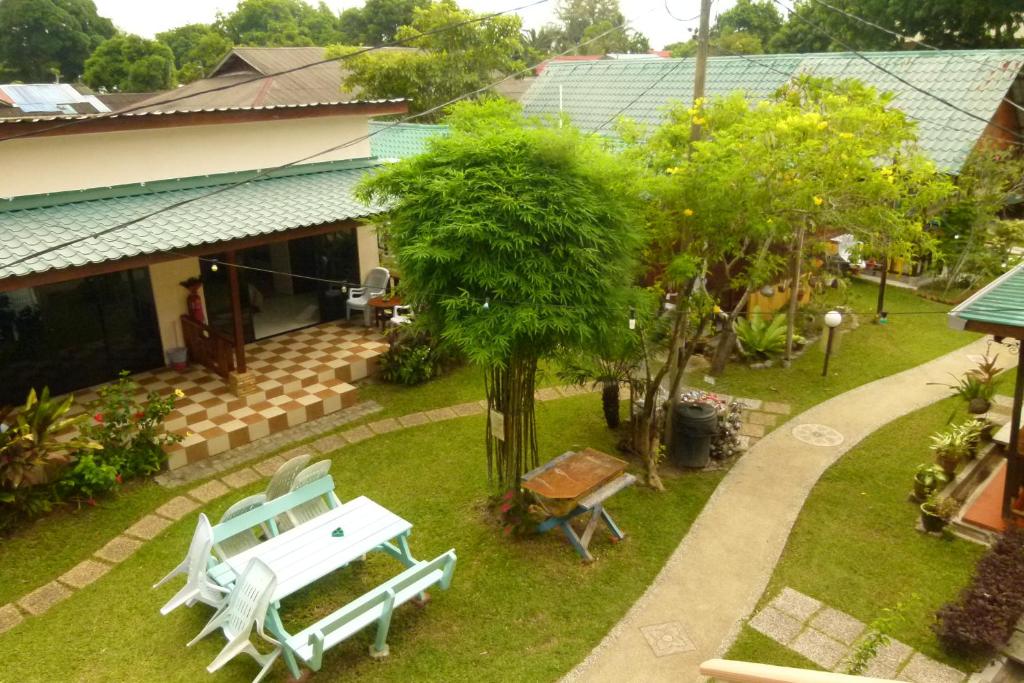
(98, 417)
(118, 479)
(91, 501)
(507, 531)
(138, 415)
(509, 495)
(506, 507)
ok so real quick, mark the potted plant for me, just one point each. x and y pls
(977, 386)
(974, 430)
(936, 513)
(950, 446)
(927, 479)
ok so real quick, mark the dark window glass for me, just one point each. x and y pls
(76, 334)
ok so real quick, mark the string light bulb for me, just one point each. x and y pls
(632, 317)
(487, 304)
(214, 267)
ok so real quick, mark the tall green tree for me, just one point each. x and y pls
(446, 65)
(40, 39)
(280, 23)
(514, 240)
(745, 28)
(377, 21)
(585, 19)
(197, 48)
(130, 64)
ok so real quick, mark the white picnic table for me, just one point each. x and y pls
(311, 551)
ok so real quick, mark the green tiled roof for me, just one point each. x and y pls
(398, 141)
(1000, 303)
(298, 197)
(592, 93)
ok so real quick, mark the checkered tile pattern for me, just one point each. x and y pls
(300, 376)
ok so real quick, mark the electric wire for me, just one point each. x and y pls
(228, 86)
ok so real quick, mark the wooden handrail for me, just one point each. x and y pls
(750, 672)
(209, 347)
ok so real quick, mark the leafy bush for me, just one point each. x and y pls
(130, 432)
(413, 358)
(983, 617)
(759, 339)
(87, 480)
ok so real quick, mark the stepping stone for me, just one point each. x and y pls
(413, 420)
(778, 626)
(384, 426)
(119, 549)
(748, 429)
(330, 443)
(441, 414)
(358, 434)
(463, 409)
(211, 490)
(177, 507)
(547, 394)
(888, 660)
(819, 648)
(42, 599)
(795, 604)
(148, 527)
(838, 625)
(764, 419)
(84, 573)
(9, 617)
(750, 403)
(777, 408)
(243, 477)
(922, 669)
(269, 466)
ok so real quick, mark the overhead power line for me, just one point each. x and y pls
(923, 44)
(938, 98)
(269, 172)
(228, 86)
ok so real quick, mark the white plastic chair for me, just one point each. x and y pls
(359, 297)
(402, 316)
(243, 541)
(281, 484)
(198, 586)
(316, 507)
(246, 607)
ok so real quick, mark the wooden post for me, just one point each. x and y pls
(1013, 463)
(236, 313)
(700, 72)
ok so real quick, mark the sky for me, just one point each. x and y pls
(650, 17)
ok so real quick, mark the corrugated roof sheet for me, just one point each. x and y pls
(398, 141)
(57, 98)
(593, 93)
(1001, 302)
(261, 207)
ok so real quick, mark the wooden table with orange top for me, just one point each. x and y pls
(380, 306)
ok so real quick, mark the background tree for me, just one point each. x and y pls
(130, 64)
(197, 48)
(584, 19)
(447, 64)
(41, 37)
(746, 28)
(377, 21)
(277, 23)
(513, 240)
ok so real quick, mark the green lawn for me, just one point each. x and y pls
(854, 546)
(916, 333)
(517, 610)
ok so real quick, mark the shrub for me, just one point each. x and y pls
(413, 358)
(87, 480)
(759, 339)
(982, 618)
(130, 432)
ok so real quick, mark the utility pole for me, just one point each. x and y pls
(700, 73)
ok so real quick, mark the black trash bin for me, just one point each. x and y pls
(693, 427)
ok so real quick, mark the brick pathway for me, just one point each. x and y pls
(828, 638)
(147, 528)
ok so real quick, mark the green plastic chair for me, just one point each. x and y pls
(231, 546)
(246, 607)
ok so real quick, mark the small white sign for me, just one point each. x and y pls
(497, 425)
(708, 379)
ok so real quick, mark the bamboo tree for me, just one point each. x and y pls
(514, 240)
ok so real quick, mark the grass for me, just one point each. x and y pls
(854, 546)
(916, 333)
(517, 610)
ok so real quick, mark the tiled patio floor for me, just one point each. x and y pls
(300, 376)
(986, 511)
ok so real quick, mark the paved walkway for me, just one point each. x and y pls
(711, 583)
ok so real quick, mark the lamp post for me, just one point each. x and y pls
(832, 320)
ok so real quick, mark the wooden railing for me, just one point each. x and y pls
(212, 349)
(749, 672)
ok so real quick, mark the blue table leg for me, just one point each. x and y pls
(275, 626)
(611, 524)
(570, 533)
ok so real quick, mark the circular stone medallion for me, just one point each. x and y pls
(817, 435)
